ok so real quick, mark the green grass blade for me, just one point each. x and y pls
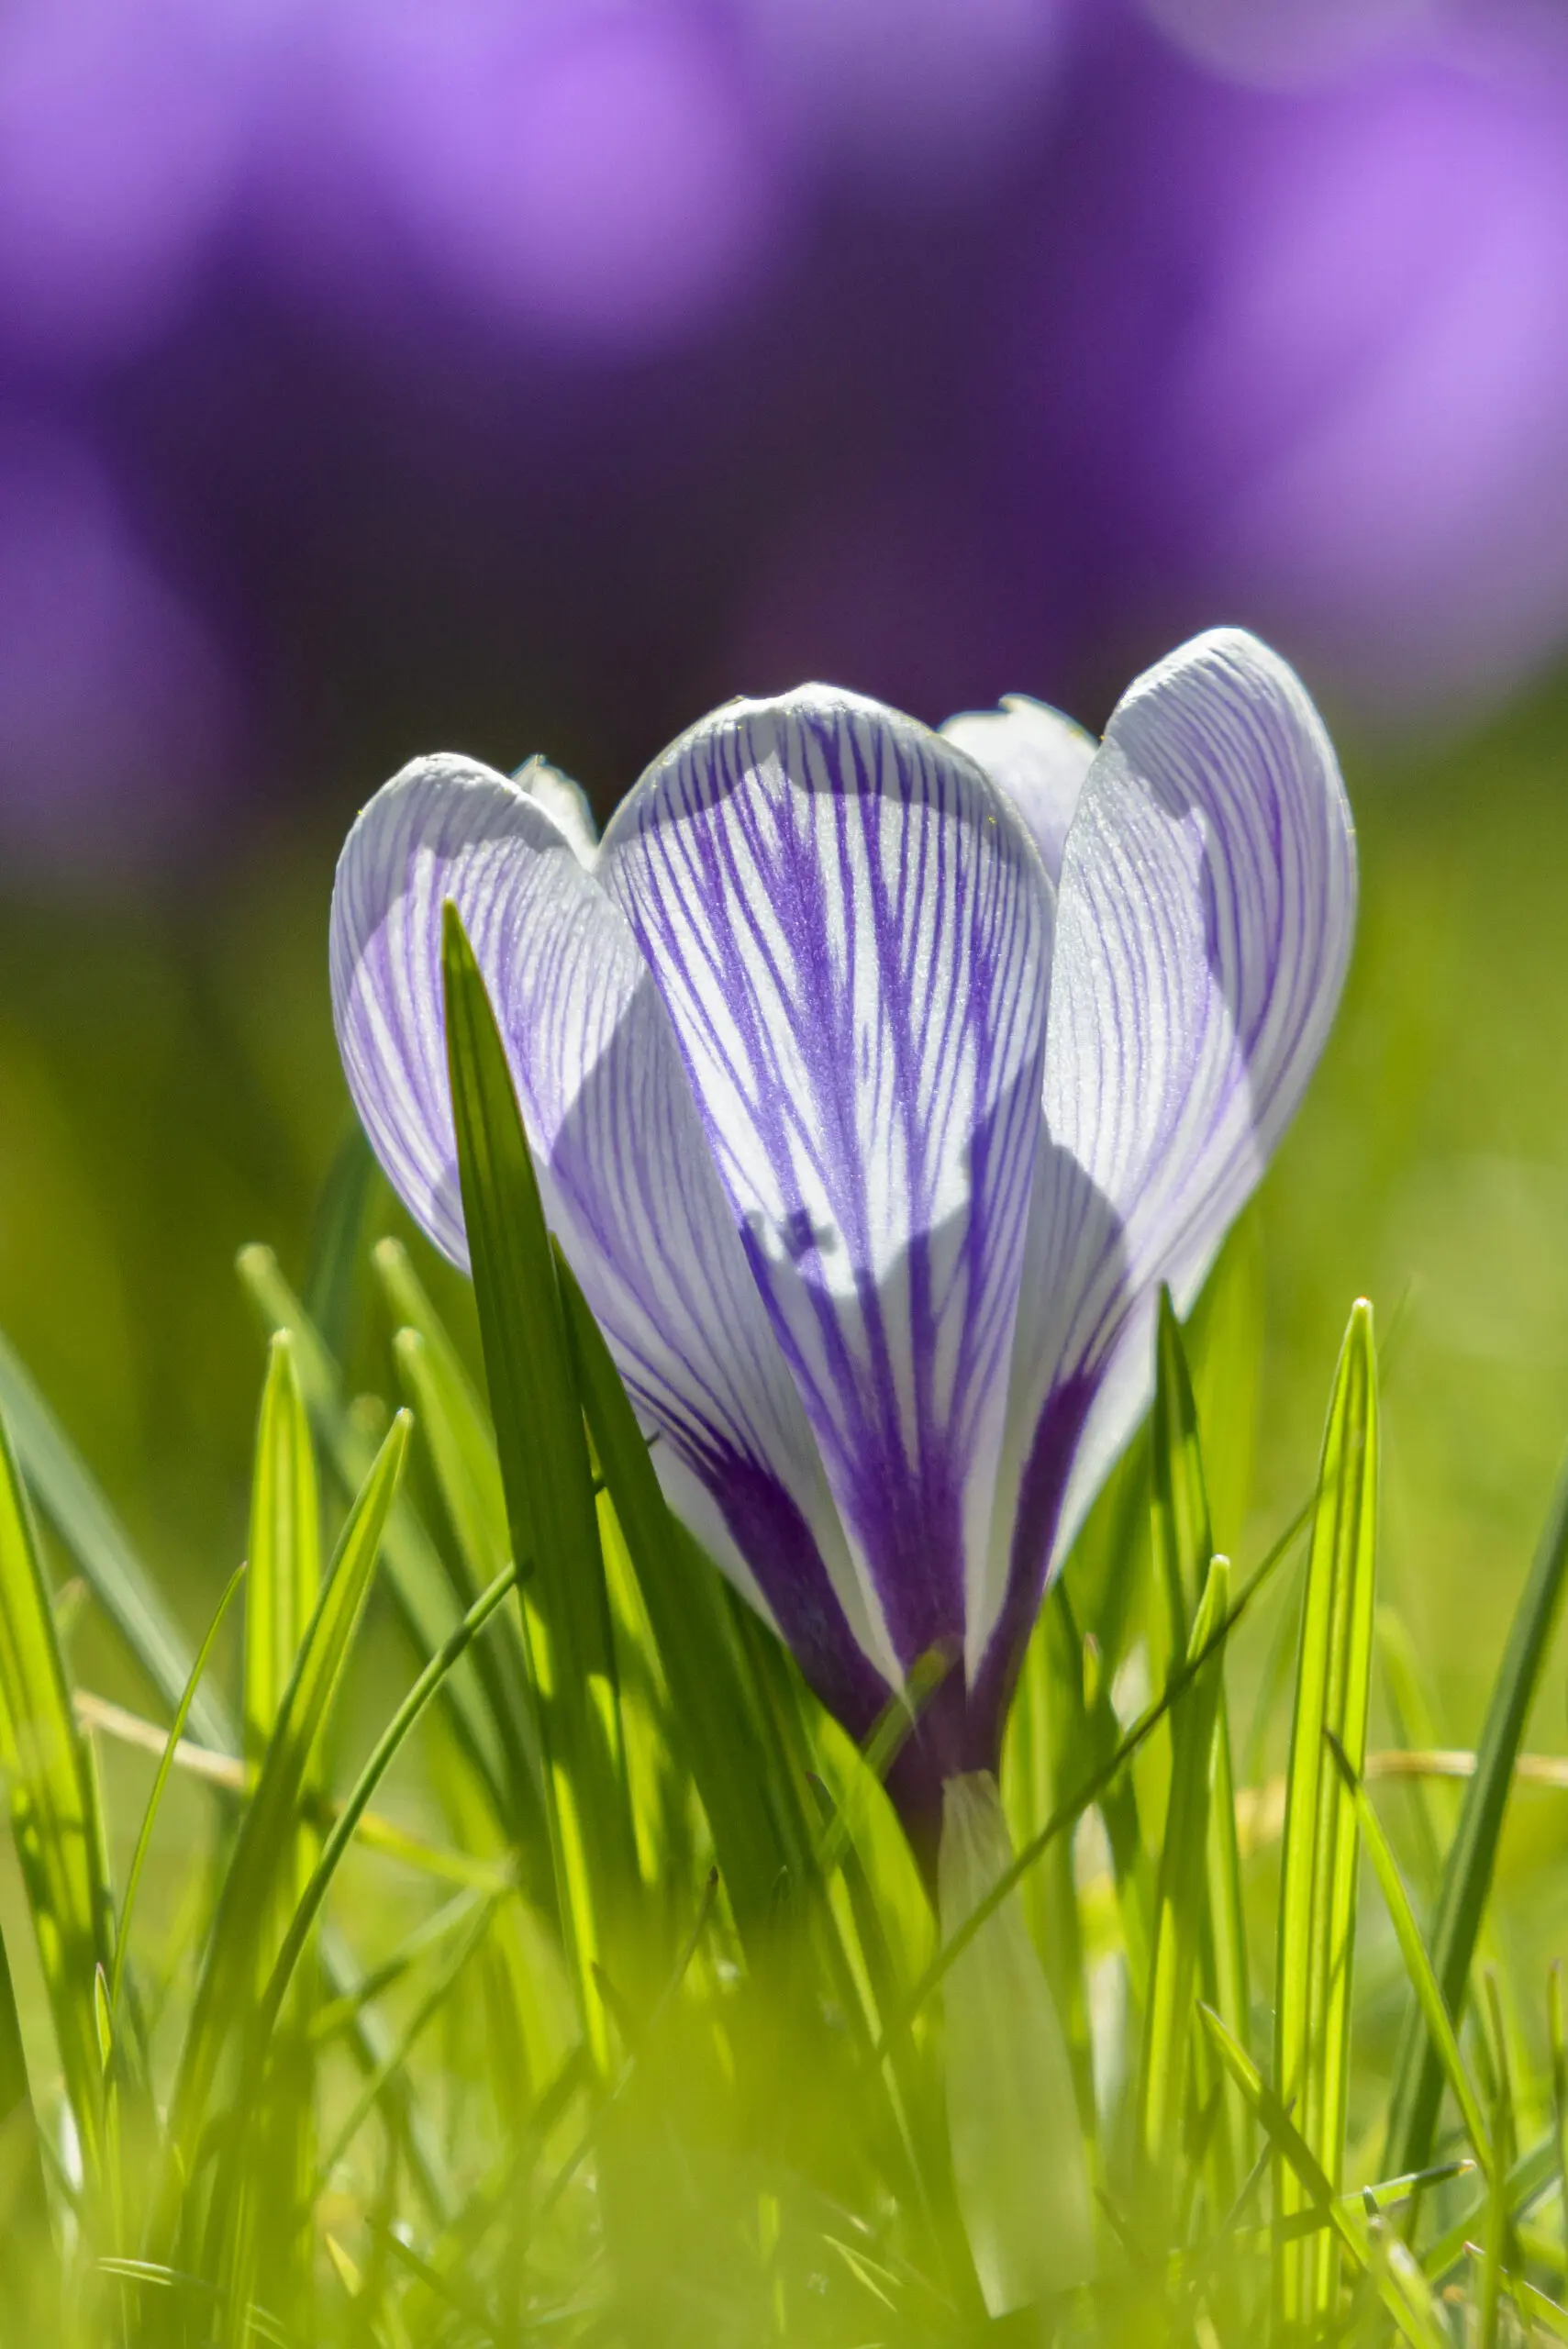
(285, 1580)
(149, 1818)
(1418, 1964)
(357, 1802)
(23, 2201)
(1318, 1881)
(1181, 1902)
(1179, 1519)
(1467, 1872)
(415, 1574)
(1400, 2284)
(1182, 1538)
(343, 1212)
(264, 1855)
(71, 1499)
(760, 1833)
(1557, 2041)
(469, 1478)
(280, 1593)
(547, 1479)
(55, 1812)
(1489, 2293)
(431, 2003)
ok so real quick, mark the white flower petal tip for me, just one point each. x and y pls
(1037, 757)
(565, 802)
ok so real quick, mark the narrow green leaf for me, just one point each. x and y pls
(469, 1477)
(55, 1811)
(74, 1505)
(265, 1852)
(166, 1763)
(1467, 1872)
(1558, 2041)
(23, 2202)
(1417, 1964)
(1489, 2293)
(1400, 2284)
(1181, 1895)
(1182, 1542)
(284, 1579)
(343, 1220)
(548, 1480)
(760, 1830)
(357, 1801)
(435, 1996)
(1317, 1880)
(415, 1574)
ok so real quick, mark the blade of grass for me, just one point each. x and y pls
(1182, 1542)
(337, 1237)
(55, 1811)
(282, 1590)
(1317, 1872)
(166, 1763)
(1418, 1964)
(431, 2003)
(264, 1850)
(285, 1580)
(357, 1801)
(469, 1480)
(416, 1576)
(548, 1480)
(1489, 2292)
(761, 1834)
(72, 1501)
(1472, 1856)
(1180, 1901)
(1557, 2041)
(24, 2203)
(1400, 2284)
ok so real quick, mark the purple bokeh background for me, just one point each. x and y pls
(532, 374)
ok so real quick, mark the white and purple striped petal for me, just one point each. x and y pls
(852, 934)
(627, 1179)
(1037, 757)
(1204, 926)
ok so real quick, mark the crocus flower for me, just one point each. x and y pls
(877, 1078)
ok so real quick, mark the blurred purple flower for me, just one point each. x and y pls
(871, 1116)
(121, 136)
(600, 174)
(116, 719)
(924, 96)
(1320, 372)
(1286, 44)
